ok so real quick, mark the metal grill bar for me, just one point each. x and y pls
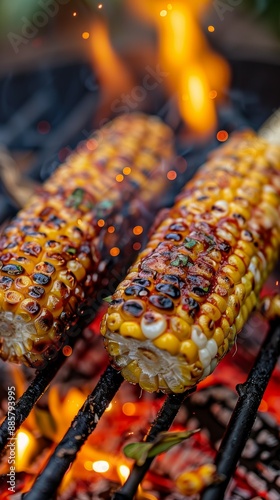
(162, 423)
(245, 412)
(82, 426)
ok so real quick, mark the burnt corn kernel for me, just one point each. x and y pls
(206, 264)
(50, 253)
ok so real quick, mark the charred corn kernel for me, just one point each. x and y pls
(13, 298)
(53, 254)
(184, 315)
(168, 342)
(233, 273)
(131, 329)
(245, 258)
(205, 264)
(190, 350)
(207, 325)
(77, 269)
(211, 311)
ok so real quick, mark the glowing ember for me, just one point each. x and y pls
(124, 472)
(129, 409)
(211, 29)
(85, 35)
(67, 350)
(101, 466)
(137, 230)
(213, 94)
(101, 223)
(111, 229)
(119, 178)
(136, 246)
(222, 135)
(171, 175)
(114, 251)
(109, 408)
(126, 170)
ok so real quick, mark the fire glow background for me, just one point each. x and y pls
(67, 67)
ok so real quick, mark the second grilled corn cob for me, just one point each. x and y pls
(50, 253)
(192, 289)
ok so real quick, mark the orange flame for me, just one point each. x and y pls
(113, 75)
(194, 69)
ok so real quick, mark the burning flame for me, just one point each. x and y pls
(194, 69)
(195, 74)
(25, 448)
(113, 75)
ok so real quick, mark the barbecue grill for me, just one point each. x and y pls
(72, 124)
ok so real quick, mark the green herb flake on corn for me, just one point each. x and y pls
(192, 289)
(49, 254)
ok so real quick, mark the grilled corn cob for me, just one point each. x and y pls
(50, 253)
(192, 289)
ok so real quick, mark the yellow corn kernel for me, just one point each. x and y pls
(237, 262)
(247, 246)
(207, 325)
(225, 326)
(240, 292)
(131, 329)
(190, 350)
(223, 348)
(133, 371)
(114, 321)
(232, 334)
(234, 303)
(243, 256)
(215, 255)
(218, 301)
(180, 327)
(210, 310)
(230, 315)
(184, 315)
(233, 273)
(77, 269)
(225, 281)
(114, 348)
(247, 281)
(168, 342)
(55, 305)
(239, 321)
(219, 336)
